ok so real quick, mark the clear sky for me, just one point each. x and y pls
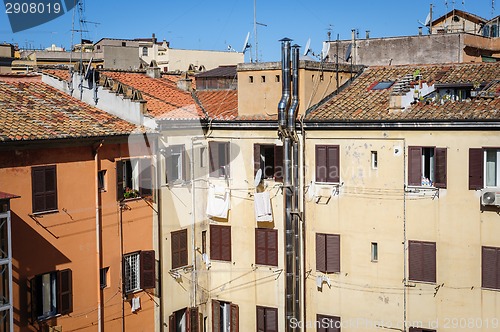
(214, 25)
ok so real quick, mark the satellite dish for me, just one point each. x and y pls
(246, 45)
(307, 48)
(428, 20)
(88, 70)
(348, 52)
(258, 177)
(325, 50)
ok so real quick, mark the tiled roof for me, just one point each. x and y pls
(58, 73)
(219, 104)
(358, 102)
(32, 110)
(164, 99)
(7, 195)
(222, 71)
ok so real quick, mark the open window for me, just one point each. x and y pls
(219, 159)
(134, 178)
(225, 316)
(185, 320)
(51, 294)
(268, 158)
(177, 167)
(139, 271)
(427, 166)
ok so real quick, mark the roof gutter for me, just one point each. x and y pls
(444, 125)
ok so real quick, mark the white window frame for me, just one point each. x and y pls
(177, 151)
(374, 156)
(495, 170)
(432, 171)
(374, 252)
(132, 177)
(132, 272)
(49, 295)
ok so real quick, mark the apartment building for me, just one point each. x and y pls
(82, 214)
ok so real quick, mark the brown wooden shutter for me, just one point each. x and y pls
(415, 329)
(489, 268)
(35, 303)
(213, 157)
(429, 261)
(183, 248)
(179, 248)
(44, 188)
(476, 160)
(272, 247)
(320, 323)
(321, 252)
(271, 315)
(225, 243)
(171, 323)
(256, 158)
(261, 320)
(145, 177)
(192, 319)
(440, 167)
(215, 315)
(65, 292)
(147, 276)
(235, 318)
(260, 246)
(414, 166)
(119, 180)
(278, 163)
(321, 164)
(415, 267)
(332, 253)
(50, 188)
(215, 242)
(333, 162)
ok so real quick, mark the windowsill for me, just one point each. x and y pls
(336, 272)
(219, 260)
(133, 292)
(327, 183)
(421, 282)
(45, 318)
(41, 213)
(132, 199)
(491, 289)
(265, 265)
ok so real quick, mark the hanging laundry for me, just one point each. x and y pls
(262, 204)
(218, 202)
(136, 304)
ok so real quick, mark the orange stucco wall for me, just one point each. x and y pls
(67, 238)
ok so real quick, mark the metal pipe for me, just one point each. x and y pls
(289, 234)
(284, 103)
(292, 111)
(296, 220)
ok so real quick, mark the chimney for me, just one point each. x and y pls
(395, 103)
(154, 38)
(367, 34)
(153, 72)
(420, 31)
(185, 83)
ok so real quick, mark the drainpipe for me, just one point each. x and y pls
(194, 276)
(160, 231)
(284, 103)
(98, 237)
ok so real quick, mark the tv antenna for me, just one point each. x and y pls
(255, 23)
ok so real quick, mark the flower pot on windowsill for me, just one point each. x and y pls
(131, 193)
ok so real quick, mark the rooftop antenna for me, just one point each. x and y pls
(255, 23)
(307, 49)
(325, 50)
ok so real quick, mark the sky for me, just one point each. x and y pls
(223, 24)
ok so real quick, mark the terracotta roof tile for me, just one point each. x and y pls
(32, 110)
(219, 104)
(359, 103)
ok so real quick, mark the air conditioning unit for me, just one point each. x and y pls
(490, 197)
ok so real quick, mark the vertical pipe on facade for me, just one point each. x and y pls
(289, 235)
(194, 276)
(284, 103)
(292, 114)
(98, 237)
(160, 229)
(405, 275)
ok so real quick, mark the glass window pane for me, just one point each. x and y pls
(491, 168)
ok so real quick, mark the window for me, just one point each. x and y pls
(268, 158)
(203, 149)
(266, 246)
(422, 261)
(44, 188)
(484, 168)
(219, 159)
(382, 85)
(225, 316)
(374, 160)
(177, 168)
(51, 294)
(204, 242)
(427, 166)
(490, 267)
(220, 243)
(185, 320)
(139, 271)
(124, 43)
(328, 253)
(327, 323)
(263, 79)
(250, 79)
(133, 178)
(144, 51)
(101, 180)
(374, 251)
(103, 277)
(267, 319)
(277, 78)
(327, 163)
(179, 249)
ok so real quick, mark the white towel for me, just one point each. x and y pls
(206, 260)
(136, 304)
(319, 282)
(217, 205)
(327, 280)
(262, 204)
